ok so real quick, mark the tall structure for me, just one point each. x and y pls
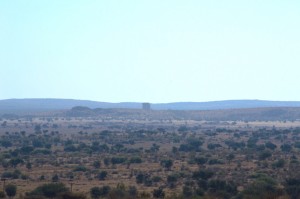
(146, 106)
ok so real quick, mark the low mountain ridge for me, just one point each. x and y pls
(247, 114)
(29, 105)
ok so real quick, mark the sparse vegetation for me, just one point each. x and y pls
(123, 157)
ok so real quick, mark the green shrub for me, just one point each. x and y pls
(50, 190)
(11, 190)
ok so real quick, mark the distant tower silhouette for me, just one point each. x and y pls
(146, 106)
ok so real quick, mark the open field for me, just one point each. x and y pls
(182, 158)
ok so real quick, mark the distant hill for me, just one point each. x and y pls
(38, 105)
(245, 114)
(226, 104)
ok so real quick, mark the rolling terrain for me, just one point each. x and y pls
(246, 110)
(14, 105)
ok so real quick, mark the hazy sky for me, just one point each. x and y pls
(154, 50)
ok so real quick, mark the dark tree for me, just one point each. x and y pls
(55, 178)
(140, 178)
(48, 190)
(167, 164)
(200, 160)
(28, 165)
(264, 155)
(95, 192)
(270, 145)
(292, 187)
(230, 157)
(10, 190)
(15, 162)
(187, 191)
(132, 190)
(102, 175)
(158, 193)
(286, 147)
(97, 164)
(106, 161)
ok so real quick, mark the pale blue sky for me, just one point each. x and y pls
(154, 50)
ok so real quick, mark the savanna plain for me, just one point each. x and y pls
(83, 157)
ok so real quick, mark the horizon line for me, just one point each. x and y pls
(187, 101)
